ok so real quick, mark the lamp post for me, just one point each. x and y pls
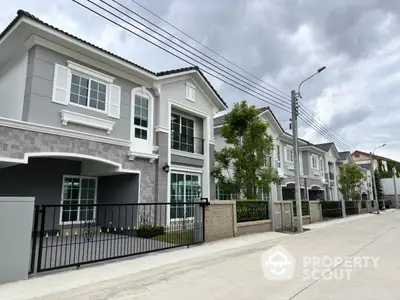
(373, 178)
(295, 95)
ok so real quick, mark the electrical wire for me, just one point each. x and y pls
(302, 106)
(271, 100)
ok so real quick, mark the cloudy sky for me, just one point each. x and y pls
(280, 41)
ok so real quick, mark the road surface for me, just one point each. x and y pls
(238, 274)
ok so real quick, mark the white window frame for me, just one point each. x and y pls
(137, 144)
(278, 155)
(90, 74)
(316, 162)
(190, 92)
(289, 148)
(79, 200)
(180, 131)
(174, 220)
(321, 164)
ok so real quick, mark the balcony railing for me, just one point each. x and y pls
(187, 143)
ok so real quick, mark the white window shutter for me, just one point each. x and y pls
(114, 101)
(61, 84)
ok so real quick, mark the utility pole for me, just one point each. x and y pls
(396, 197)
(374, 183)
(297, 191)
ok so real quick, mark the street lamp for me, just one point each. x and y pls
(373, 179)
(297, 192)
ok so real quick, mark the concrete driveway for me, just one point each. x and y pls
(238, 274)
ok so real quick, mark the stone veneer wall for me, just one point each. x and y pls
(220, 220)
(14, 143)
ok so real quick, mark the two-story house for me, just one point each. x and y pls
(80, 125)
(331, 169)
(282, 159)
(366, 192)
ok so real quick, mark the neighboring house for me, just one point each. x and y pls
(363, 159)
(282, 159)
(331, 169)
(80, 125)
(366, 192)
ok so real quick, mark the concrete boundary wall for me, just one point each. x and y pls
(220, 220)
(253, 227)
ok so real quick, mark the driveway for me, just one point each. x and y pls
(238, 273)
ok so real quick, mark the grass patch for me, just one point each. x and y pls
(177, 237)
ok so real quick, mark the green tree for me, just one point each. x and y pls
(351, 178)
(379, 187)
(242, 162)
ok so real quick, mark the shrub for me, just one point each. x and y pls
(149, 231)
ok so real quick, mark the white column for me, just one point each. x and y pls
(206, 168)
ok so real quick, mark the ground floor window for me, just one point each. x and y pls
(184, 189)
(78, 190)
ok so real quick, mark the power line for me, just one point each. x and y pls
(269, 101)
(302, 107)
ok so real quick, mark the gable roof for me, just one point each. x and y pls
(344, 154)
(374, 156)
(218, 121)
(325, 146)
(22, 13)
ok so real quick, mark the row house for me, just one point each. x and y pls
(319, 163)
(80, 125)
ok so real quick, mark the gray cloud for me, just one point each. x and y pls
(280, 41)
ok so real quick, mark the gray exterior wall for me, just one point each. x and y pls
(306, 163)
(42, 179)
(39, 108)
(118, 189)
(212, 179)
(187, 161)
(16, 142)
(161, 188)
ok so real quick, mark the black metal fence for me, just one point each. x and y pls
(331, 209)
(250, 210)
(305, 208)
(73, 235)
(351, 208)
(363, 204)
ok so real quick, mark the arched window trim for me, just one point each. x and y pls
(137, 144)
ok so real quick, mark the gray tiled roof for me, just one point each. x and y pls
(365, 166)
(326, 146)
(21, 13)
(343, 155)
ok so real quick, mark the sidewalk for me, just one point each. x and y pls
(72, 279)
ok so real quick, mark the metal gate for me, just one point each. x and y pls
(73, 235)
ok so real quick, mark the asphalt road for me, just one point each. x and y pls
(359, 259)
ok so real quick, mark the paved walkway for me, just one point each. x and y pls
(232, 269)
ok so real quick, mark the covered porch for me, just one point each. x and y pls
(288, 192)
(316, 192)
(70, 180)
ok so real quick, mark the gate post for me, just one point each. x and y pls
(41, 236)
(34, 238)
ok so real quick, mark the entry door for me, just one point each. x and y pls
(184, 189)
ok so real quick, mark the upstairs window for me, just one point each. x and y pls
(182, 133)
(79, 85)
(278, 155)
(141, 117)
(88, 92)
(289, 154)
(314, 162)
